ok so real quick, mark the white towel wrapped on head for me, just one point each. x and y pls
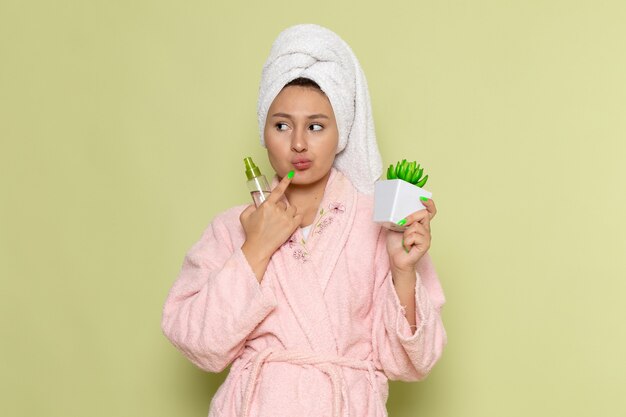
(315, 52)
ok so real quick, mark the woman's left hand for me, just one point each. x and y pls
(405, 249)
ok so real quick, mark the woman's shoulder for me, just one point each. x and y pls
(226, 223)
(365, 204)
(365, 213)
(230, 215)
(365, 201)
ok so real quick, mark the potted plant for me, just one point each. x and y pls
(399, 195)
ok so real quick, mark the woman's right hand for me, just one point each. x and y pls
(268, 226)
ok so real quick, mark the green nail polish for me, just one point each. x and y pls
(404, 247)
(291, 173)
(424, 198)
(402, 222)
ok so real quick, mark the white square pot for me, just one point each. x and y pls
(396, 199)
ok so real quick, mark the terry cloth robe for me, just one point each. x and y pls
(324, 330)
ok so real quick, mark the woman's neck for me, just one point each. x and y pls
(307, 198)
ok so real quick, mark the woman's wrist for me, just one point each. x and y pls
(403, 275)
(258, 262)
(255, 251)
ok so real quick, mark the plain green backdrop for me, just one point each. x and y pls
(123, 125)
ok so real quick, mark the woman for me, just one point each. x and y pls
(313, 304)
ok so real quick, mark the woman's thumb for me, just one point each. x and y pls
(247, 212)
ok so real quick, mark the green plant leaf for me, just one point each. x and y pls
(403, 167)
(409, 173)
(415, 177)
(422, 182)
(391, 173)
(403, 172)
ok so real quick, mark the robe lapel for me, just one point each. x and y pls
(304, 269)
(331, 228)
(306, 300)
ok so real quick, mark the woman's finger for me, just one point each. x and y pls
(281, 204)
(291, 211)
(279, 190)
(418, 216)
(426, 222)
(430, 206)
(409, 241)
(416, 239)
(418, 228)
(246, 213)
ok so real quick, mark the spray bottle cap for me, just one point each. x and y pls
(252, 171)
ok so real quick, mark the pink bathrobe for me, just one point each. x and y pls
(324, 330)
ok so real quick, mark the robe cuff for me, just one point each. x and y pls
(264, 289)
(423, 312)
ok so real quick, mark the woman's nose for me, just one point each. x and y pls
(298, 141)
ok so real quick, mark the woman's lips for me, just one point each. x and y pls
(302, 165)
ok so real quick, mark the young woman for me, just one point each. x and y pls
(312, 304)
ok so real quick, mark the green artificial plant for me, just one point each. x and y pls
(407, 171)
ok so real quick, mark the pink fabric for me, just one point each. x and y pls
(327, 363)
(324, 330)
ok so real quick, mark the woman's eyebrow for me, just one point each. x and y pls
(313, 116)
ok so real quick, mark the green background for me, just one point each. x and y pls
(123, 128)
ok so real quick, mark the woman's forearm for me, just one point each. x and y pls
(404, 283)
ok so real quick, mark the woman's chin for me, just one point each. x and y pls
(308, 177)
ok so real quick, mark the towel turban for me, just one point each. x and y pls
(315, 52)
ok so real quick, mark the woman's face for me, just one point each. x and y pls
(301, 134)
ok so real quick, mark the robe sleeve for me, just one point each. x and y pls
(216, 301)
(406, 354)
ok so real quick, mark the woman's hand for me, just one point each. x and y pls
(405, 249)
(268, 226)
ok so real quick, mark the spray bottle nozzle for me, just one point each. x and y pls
(252, 170)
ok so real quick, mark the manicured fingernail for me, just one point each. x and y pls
(404, 247)
(424, 198)
(291, 174)
(402, 222)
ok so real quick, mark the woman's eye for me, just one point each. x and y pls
(278, 125)
(320, 127)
